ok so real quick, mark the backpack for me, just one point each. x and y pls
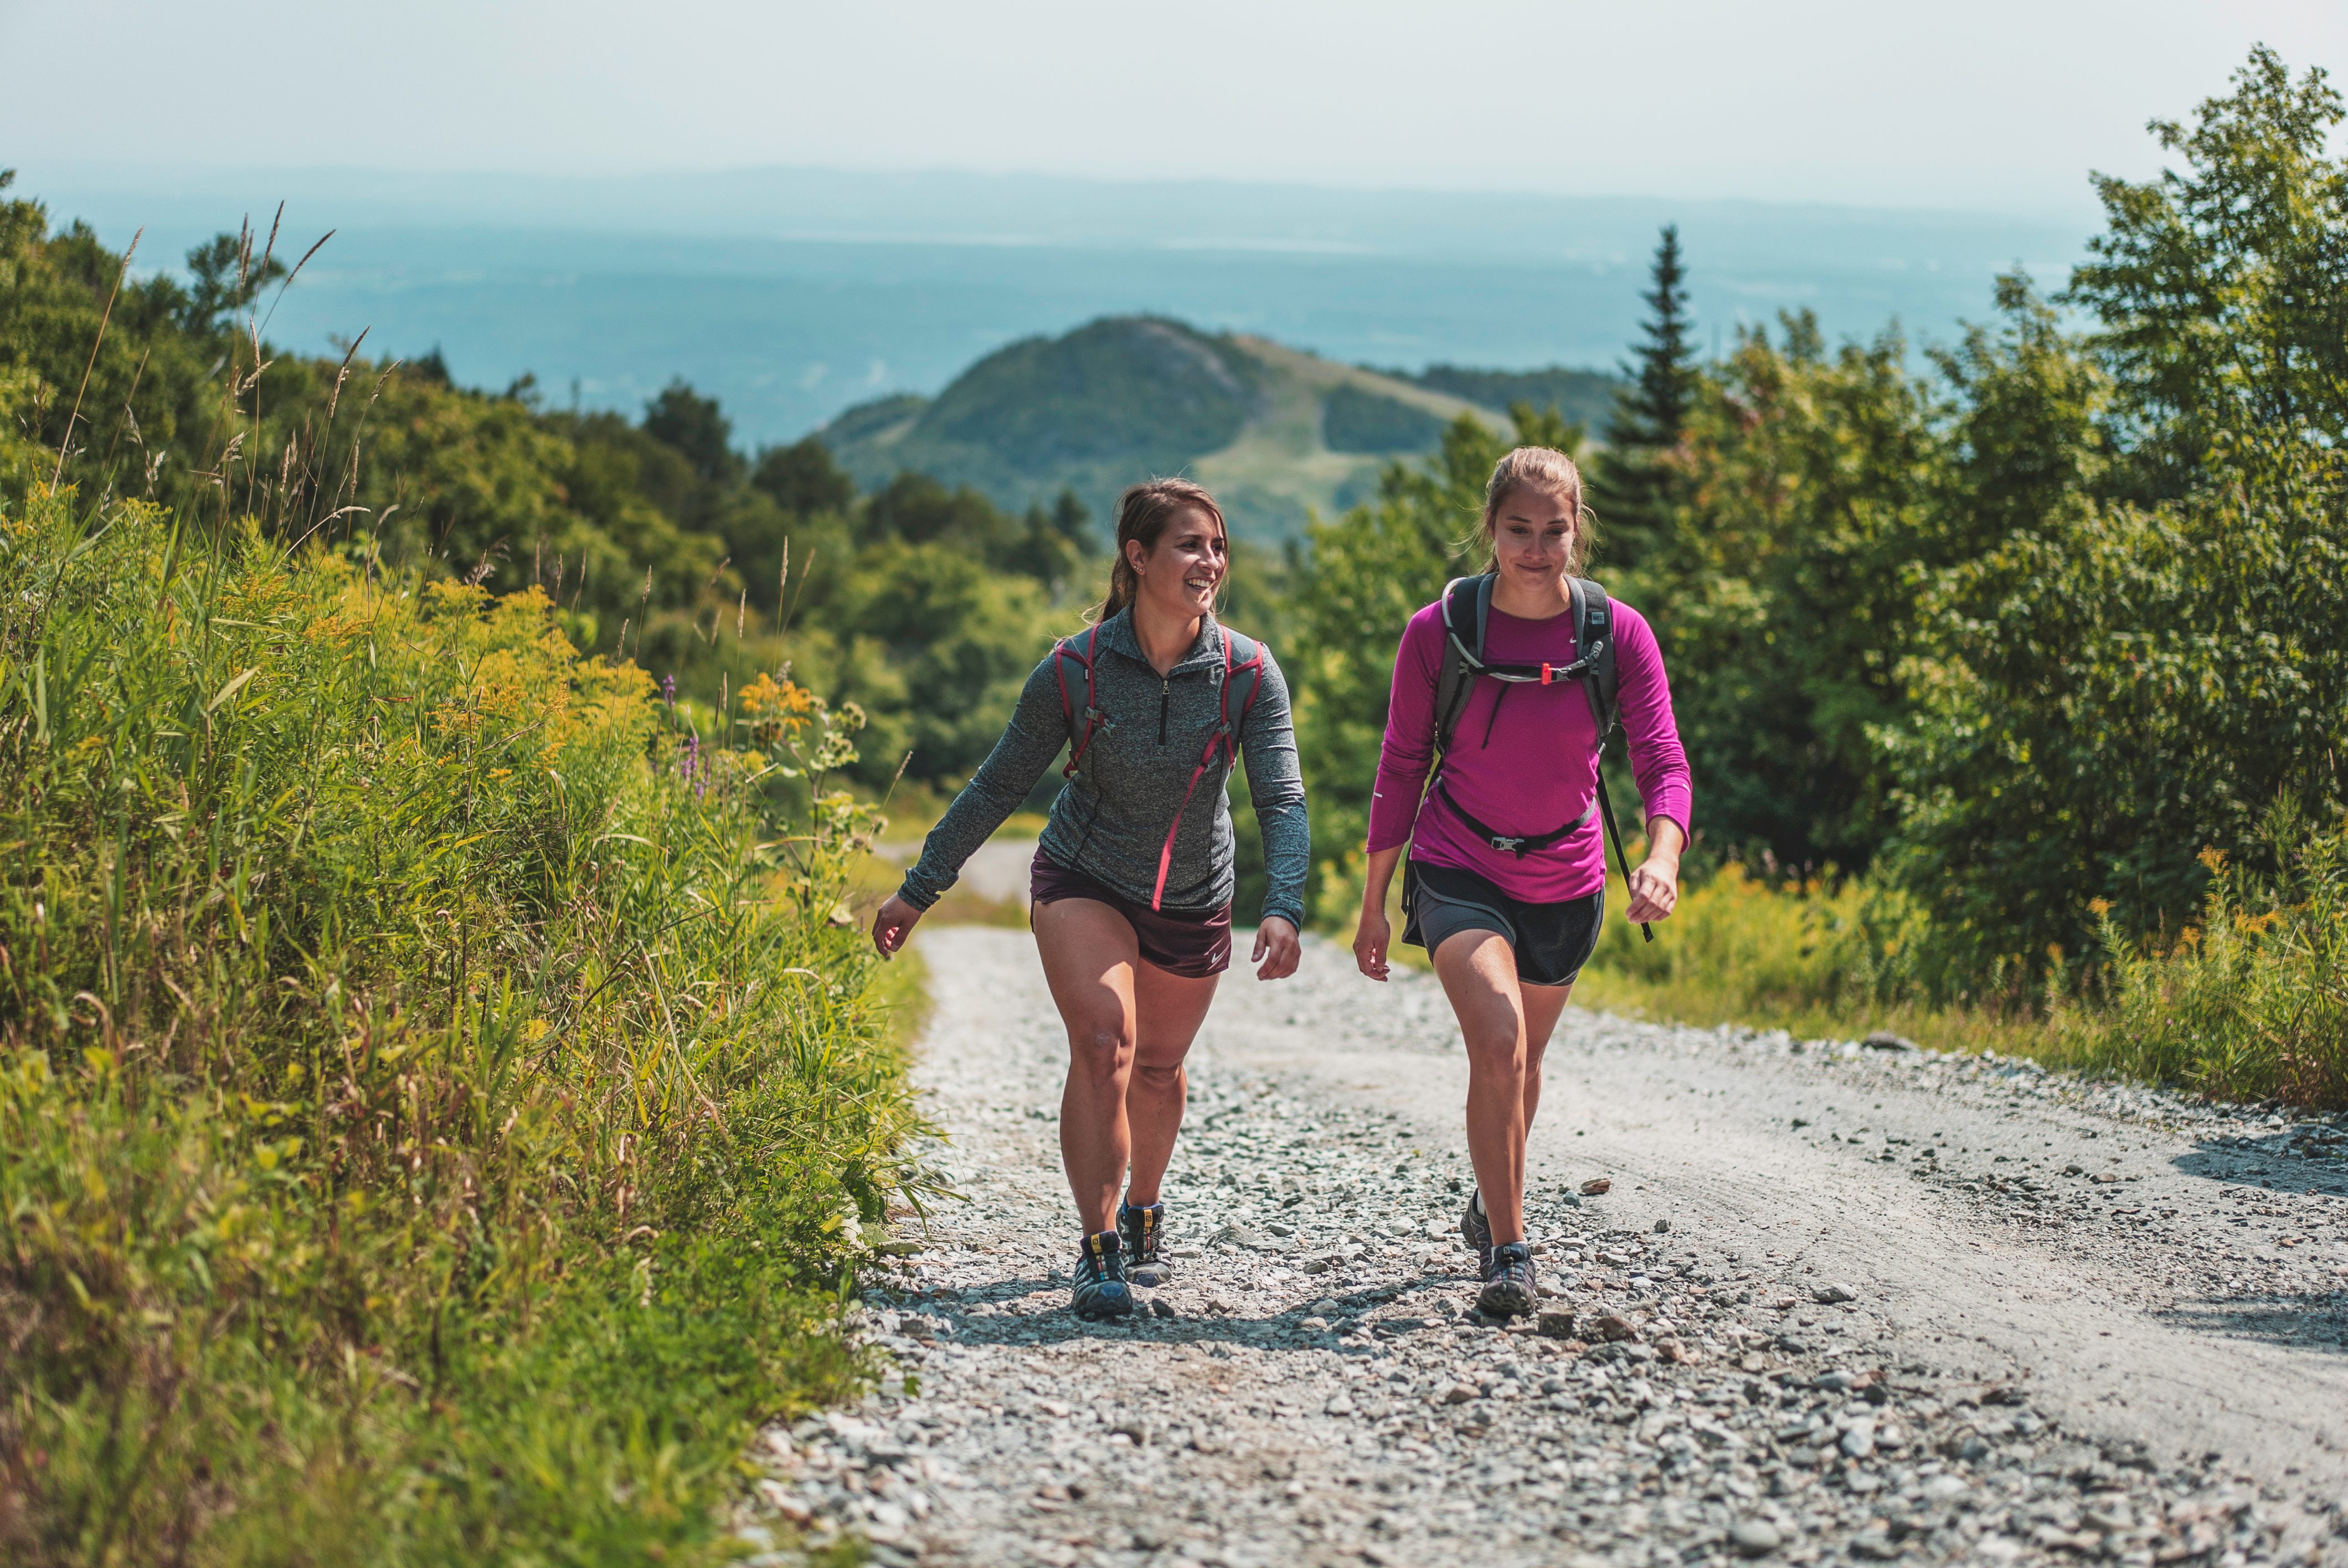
(1467, 612)
(1224, 737)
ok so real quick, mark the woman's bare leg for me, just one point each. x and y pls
(1543, 1006)
(1097, 976)
(1506, 1025)
(1171, 1008)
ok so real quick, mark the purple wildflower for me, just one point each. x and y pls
(668, 692)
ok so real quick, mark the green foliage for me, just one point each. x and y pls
(228, 279)
(2124, 689)
(2249, 1004)
(695, 428)
(802, 478)
(1784, 596)
(437, 1102)
(2222, 290)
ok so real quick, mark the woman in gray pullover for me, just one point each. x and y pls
(1132, 884)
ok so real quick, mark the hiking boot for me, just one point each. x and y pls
(1143, 1232)
(1101, 1290)
(1511, 1287)
(1476, 1228)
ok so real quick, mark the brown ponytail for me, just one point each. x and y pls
(1142, 514)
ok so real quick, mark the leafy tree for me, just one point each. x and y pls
(2029, 430)
(802, 478)
(697, 428)
(2123, 688)
(1073, 523)
(2222, 289)
(2107, 687)
(917, 509)
(1637, 484)
(1783, 599)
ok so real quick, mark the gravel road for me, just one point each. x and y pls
(1834, 1302)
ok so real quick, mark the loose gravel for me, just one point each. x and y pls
(1804, 1300)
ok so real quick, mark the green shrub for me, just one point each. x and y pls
(437, 1100)
(2250, 1004)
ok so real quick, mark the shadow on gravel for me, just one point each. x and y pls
(2283, 1161)
(2313, 1321)
(1060, 1325)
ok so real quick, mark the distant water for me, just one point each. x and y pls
(791, 295)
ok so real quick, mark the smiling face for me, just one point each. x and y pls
(1180, 573)
(1532, 531)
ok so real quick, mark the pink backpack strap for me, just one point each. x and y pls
(1093, 712)
(1224, 740)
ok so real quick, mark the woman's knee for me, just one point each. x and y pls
(1101, 1046)
(1495, 1050)
(1162, 1076)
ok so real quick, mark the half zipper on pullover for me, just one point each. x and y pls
(1164, 690)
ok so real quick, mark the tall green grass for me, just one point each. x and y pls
(440, 1097)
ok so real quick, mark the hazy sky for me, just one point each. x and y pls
(1989, 103)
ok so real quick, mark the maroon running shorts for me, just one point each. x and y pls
(1191, 946)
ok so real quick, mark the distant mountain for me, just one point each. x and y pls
(1275, 432)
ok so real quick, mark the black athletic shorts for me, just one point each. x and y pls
(1553, 941)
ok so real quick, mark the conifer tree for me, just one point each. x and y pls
(1637, 486)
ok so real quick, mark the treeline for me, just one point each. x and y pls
(2030, 635)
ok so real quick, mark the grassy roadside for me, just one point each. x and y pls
(437, 1085)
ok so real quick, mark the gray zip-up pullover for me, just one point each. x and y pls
(1110, 821)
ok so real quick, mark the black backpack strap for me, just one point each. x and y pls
(1594, 629)
(1593, 634)
(1467, 612)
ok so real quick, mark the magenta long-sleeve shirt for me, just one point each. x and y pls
(1532, 767)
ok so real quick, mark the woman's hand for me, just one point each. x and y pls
(893, 925)
(1370, 939)
(1276, 936)
(1654, 889)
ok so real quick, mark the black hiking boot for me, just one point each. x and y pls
(1143, 1232)
(1476, 1229)
(1101, 1290)
(1511, 1286)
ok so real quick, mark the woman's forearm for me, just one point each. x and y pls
(1380, 876)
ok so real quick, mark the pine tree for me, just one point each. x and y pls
(1637, 486)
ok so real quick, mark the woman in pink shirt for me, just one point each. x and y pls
(1508, 879)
